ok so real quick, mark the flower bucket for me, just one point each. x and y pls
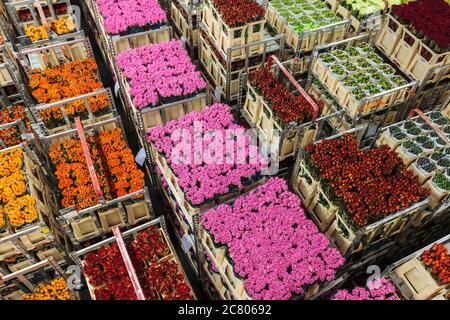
(437, 193)
(421, 173)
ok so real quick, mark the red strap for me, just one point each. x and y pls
(128, 264)
(312, 105)
(429, 122)
(89, 163)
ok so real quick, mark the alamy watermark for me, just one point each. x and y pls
(236, 146)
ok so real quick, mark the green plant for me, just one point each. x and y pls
(419, 120)
(435, 115)
(416, 150)
(446, 129)
(352, 51)
(441, 122)
(426, 127)
(441, 181)
(422, 161)
(375, 58)
(372, 88)
(394, 129)
(437, 156)
(428, 145)
(399, 136)
(414, 131)
(409, 124)
(386, 85)
(444, 162)
(422, 139)
(447, 151)
(386, 69)
(350, 66)
(398, 81)
(429, 167)
(441, 142)
(362, 63)
(408, 144)
(338, 69)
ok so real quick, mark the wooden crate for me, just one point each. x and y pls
(7, 250)
(390, 35)
(322, 210)
(424, 61)
(85, 229)
(437, 193)
(417, 279)
(182, 24)
(253, 104)
(406, 49)
(137, 212)
(340, 234)
(226, 37)
(111, 218)
(307, 185)
(237, 283)
(387, 139)
(218, 252)
(151, 118)
(51, 252)
(34, 240)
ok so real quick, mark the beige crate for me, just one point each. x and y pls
(424, 61)
(406, 156)
(111, 218)
(437, 193)
(406, 49)
(84, 229)
(218, 252)
(390, 35)
(253, 104)
(137, 212)
(226, 37)
(418, 280)
(322, 210)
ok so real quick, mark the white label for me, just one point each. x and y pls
(116, 88)
(140, 157)
(27, 136)
(183, 40)
(186, 243)
(218, 94)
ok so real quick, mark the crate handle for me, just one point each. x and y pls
(128, 263)
(429, 122)
(88, 157)
(312, 106)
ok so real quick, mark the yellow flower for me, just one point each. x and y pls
(36, 33)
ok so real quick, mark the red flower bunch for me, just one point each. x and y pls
(428, 16)
(285, 105)
(371, 184)
(158, 275)
(12, 135)
(438, 260)
(166, 279)
(236, 13)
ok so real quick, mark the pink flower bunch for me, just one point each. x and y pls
(159, 70)
(121, 15)
(274, 247)
(209, 153)
(381, 289)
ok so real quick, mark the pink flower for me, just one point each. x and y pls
(159, 70)
(120, 15)
(273, 245)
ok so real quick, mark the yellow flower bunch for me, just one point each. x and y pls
(36, 33)
(21, 210)
(63, 25)
(55, 290)
(10, 161)
(19, 206)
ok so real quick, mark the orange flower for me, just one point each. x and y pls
(19, 206)
(116, 170)
(12, 136)
(63, 25)
(57, 289)
(67, 81)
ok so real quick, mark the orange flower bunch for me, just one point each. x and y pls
(36, 33)
(125, 175)
(57, 289)
(114, 165)
(2, 219)
(12, 136)
(67, 81)
(19, 206)
(73, 174)
(63, 25)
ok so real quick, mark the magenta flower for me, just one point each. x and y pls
(273, 245)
